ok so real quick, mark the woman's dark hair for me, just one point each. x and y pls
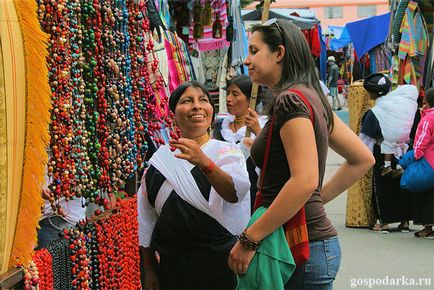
(245, 84)
(298, 65)
(429, 97)
(177, 93)
(377, 85)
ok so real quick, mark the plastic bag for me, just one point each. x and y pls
(418, 175)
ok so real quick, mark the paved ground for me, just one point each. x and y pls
(378, 261)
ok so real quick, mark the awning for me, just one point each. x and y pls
(368, 33)
(303, 23)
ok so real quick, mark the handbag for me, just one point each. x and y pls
(296, 228)
(418, 175)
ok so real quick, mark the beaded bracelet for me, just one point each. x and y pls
(248, 243)
(209, 169)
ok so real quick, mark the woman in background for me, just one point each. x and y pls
(233, 127)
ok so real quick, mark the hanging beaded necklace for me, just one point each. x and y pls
(80, 136)
(61, 167)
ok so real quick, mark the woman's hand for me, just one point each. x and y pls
(247, 142)
(46, 193)
(252, 122)
(240, 258)
(190, 151)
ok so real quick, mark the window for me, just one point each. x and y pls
(366, 11)
(333, 12)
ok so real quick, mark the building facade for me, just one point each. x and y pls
(335, 12)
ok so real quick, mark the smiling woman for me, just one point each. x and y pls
(192, 202)
(194, 112)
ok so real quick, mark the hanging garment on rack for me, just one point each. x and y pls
(380, 58)
(429, 65)
(163, 10)
(179, 62)
(413, 45)
(207, 42)
(312, 38)
(240, 43)
(153, 15)
(397, 21)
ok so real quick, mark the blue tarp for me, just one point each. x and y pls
(342, 38)
(368, 33)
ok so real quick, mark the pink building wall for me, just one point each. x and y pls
(349, 9)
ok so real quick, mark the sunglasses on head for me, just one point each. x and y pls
(272, 21)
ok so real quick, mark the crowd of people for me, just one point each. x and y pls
(213, 200)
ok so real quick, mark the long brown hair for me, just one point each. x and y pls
(298, 66)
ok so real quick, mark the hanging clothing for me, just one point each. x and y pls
(413, 45)
(153, 15)
(198, 67)
(207, 42)
(179, 62)
(211, 65)
(380, 58)
(163, 10)
(428, 76)
(397, 21)
(239, 45)
(312, 38)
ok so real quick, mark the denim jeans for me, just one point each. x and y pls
(51, 228)
(320, 270)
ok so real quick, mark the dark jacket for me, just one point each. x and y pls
(333, 74)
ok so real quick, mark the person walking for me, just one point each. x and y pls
(332, 82)
(300, 128)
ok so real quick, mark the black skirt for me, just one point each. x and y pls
(193, 247)
(391, 203)
(423, 207)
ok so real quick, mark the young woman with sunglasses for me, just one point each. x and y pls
(279, 58)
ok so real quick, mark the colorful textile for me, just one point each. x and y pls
(24, 119)
(414, 42)
(207, 42)
(163, 10)
(414, 34)
(380, 59)
(397, 21)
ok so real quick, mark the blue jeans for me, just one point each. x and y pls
(51, 228)
(319, 272)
